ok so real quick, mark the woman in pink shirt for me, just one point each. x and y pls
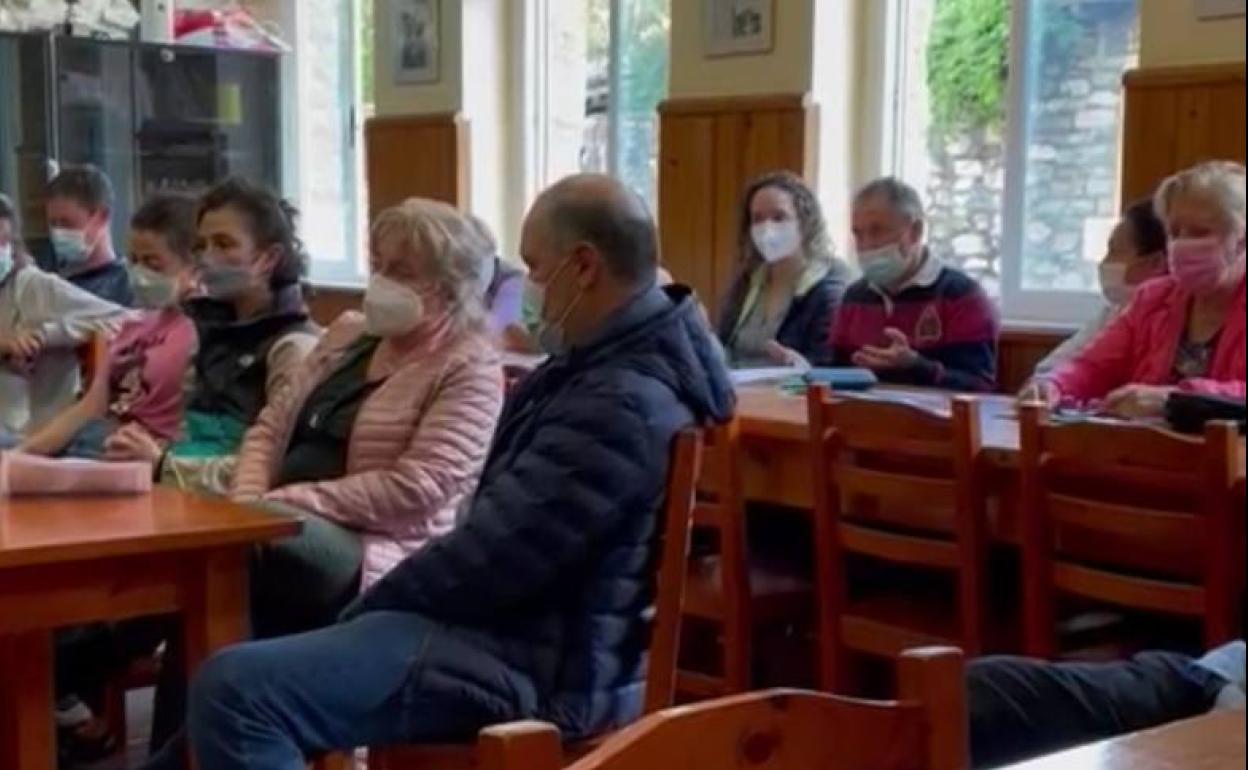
(141, 380)
(382, 434)
(1183, 332)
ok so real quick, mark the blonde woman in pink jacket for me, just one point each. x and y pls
(1181, 333)
(384, 433)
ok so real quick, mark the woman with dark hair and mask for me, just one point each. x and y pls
(140, 380)
(1135, 254)
(781, 307)
(254, 333)
(1183, 332)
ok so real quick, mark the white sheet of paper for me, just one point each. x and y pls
(766, 374)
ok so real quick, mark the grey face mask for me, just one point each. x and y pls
(225, 282)
(6, 260)
(153, 290)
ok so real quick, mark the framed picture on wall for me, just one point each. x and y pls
(739, 27)
(416, 27)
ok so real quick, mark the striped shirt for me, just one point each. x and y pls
(950, 322)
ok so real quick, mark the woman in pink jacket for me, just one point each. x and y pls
(1184, 332)
(384, 434)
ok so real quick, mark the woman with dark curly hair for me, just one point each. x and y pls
(254, 332)
(781, 306)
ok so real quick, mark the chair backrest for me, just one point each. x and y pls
(673, 552)
(1131, 515)
(926, 729)
(899, 481)
(677, 521)
(91, 357)
(721, 509)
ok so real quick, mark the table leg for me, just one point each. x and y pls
(214, 611)
(27, 737)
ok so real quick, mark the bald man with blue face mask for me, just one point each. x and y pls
(549, 573)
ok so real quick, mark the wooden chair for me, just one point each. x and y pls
(661, 661)
(726, 590)
(139, 675)
(903, 486)
(1133, 517)
(92, 355)
(779, 730)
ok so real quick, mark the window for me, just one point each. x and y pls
(333, 95)
(598, 72)
(1006, 116)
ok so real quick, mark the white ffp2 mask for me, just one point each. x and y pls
(390, 308)
(776, 240)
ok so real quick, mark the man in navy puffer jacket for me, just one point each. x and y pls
(536, 605)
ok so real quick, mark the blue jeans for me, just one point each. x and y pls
(87, 443)
(379, 680)
(297, 584)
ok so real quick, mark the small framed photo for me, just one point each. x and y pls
(739, 27)
(417, 29)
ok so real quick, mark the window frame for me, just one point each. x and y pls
(533, 106)
(1018, 302)
(1019, 305)
(348, 270)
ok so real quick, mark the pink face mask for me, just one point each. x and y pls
(1199, 264)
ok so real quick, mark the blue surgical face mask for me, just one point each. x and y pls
(551, 336)
(71, 247)
(884, 267)
(6, 260)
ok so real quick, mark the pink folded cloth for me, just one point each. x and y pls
(23, 474)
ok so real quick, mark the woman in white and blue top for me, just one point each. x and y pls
(1136, 253)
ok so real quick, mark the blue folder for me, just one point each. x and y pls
(842, 378)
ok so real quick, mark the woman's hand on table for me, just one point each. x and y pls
(1137, 402)
(782, 356)
(1042, 390)
(131, 443)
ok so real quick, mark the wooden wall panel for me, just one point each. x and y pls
(709, 150)
(685, 234)
(1021, 350)
(326, 304)
(1178, 117)
(423, 156)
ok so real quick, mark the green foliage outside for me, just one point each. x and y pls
(645, 31)
(368, 70)
(968, 58)
(967, 64)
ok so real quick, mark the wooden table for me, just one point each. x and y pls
(776, 464)
(74, 560)
(1213, 742)
(775, 439)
